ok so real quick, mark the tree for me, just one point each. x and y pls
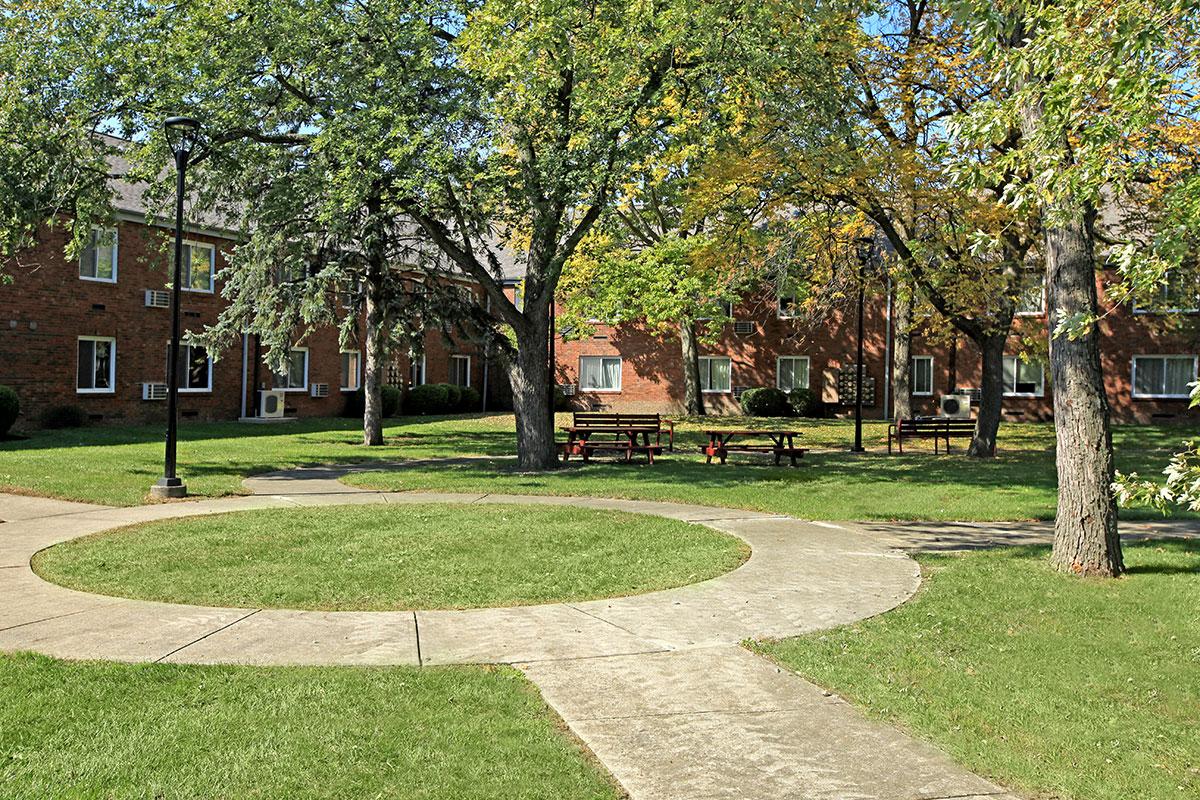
(53, 165)
(875, 143)
(1085, 82)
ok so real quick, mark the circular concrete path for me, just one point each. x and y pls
(801, 576)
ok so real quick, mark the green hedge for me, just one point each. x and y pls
(766, 401)
(10, 408)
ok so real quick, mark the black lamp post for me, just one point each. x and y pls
(865, 252)
(183, 133)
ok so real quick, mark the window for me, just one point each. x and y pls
(290, 272)
(792, 373)
(1031, 301)
(1022, 378)
(199, 265)
(722, 308)
(460, 370)
(98, 261)
(921, 376)
(294, 378)
(600, 374)
(519, 296)
(714, 374)
(350, 370)
(97, 365)
(1178, 293)
(1163, 376)
(416, 370)
(195, 368)
(788, 306)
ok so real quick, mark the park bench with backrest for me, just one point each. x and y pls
(940, 429)
(630, 433)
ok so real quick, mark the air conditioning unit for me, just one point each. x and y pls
(955, 406)
(744, 327)
(158, 298)
(567, 389)
(270, 404)
(320, 390)
(154, 391)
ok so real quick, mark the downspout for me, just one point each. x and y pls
(245, 359)
(486, 361)
(887, 355)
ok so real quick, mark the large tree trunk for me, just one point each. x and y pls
(1086, 541)
(373, 367)
(902, 355)
(991, 396)
(693, 398)
(529, 375)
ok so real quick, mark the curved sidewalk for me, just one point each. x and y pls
(655, 684)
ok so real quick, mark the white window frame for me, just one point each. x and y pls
(96, 234)
(779, 306)
(1041, 284)
(411, 363)
(185, 279)
(912, 372)
(779, 371)
(307, 367)
(710, 359)
(620, 373)
(1164, 356)
(1140, 310)
(357, 370)
(459, 357)
(185, 353)
(112, 364)
(1041, 390)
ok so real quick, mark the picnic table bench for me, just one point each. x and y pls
(721, 444)
(630, 433)
(940, 429)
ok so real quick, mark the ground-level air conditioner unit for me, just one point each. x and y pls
(154, 391)
(270, 404)
(158, 298)
(320, 390)
(955, 406)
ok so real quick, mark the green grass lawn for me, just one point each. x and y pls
(117, 465)
(393, 557)
(1055, 686)
(95, 730)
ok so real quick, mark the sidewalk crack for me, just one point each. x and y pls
(160, 659)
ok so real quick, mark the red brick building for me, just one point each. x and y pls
(94, 332)
(1148, 360)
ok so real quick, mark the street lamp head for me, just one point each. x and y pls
(183, 134)
(867, 249)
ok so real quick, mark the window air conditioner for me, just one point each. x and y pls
(270, 404)
(158, 298)
(955, 406)
(154, 391)
(320, 390)
(743, 327)
(567, 389)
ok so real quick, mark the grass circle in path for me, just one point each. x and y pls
(382, 558)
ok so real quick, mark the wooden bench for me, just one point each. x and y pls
(940, 429)
(631, 433)
(721, 444)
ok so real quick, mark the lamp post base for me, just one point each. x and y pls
(169, 489)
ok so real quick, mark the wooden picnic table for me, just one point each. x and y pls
(721, 443)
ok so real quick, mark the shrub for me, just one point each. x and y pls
(10, 408)
(432, 398)
(470, 401)
(390, 401)
(64, 417)
(805, 403)
(766, 401)
(353, 407)
(453, 398)
(561, 401)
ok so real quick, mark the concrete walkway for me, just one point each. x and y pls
(656, 685)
